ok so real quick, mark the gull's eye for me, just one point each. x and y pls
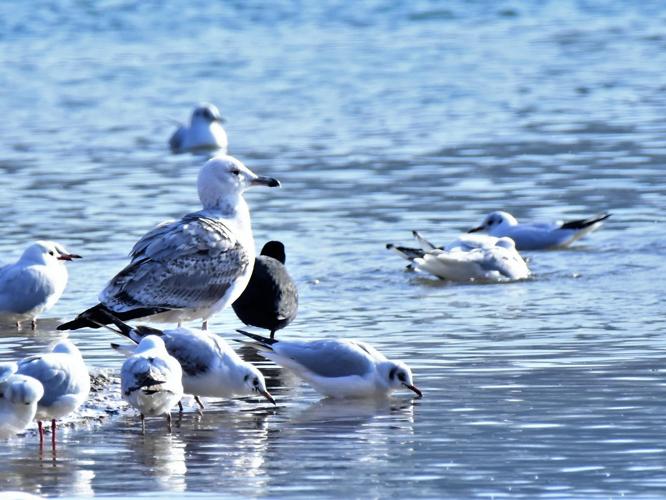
(401, 377)
(255, 382)
(235, 171)
(51, 252)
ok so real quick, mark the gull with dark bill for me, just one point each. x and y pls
(151, 380)
(211, 368)
(270, 299)
(338, 368)
(205, 131)
(34, 283)
(193, 267)
(64, 377)
(538, 235)
(19, 395)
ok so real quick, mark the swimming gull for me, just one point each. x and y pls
(151, 380)
(270, 299)
(482, 259)
(211, 368)
(19, 395)
(193, 267)
(34, 283)
(65, 379)
(338, 368)
(538, 236)
(204, 132)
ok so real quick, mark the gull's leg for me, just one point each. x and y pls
(40, 428)
(180, 323)
(201, 405)
(204, 325)
(273, 334)
(18, 325)
(53, 435)
(143, 424)
(33, 324)
(168, 415)
(180, 407)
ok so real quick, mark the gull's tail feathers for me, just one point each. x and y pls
(99, 316)
(423, 243)
(264, 343)
(584, 223)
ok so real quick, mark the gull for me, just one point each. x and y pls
(65, 379)
(338, 368)
(193, 267)
(19, 395)
(538, 236)
(211, 368)
(485, 259)
(151, 380)
(34, 283)
(270, 299)
(204, 132)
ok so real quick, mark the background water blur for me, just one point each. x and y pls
(379, 117)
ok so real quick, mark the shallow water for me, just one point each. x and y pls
(379, 118)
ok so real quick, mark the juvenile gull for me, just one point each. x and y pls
(19, 395)
(204, 132)
(211, 368)
(193, 267)
(34, 283)
(270, 299)
(338, 368)
(484, 259)
(151, 380)
(65, 379)
(538, 236)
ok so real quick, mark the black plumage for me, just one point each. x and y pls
(270, 299)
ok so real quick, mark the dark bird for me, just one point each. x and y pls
(270, 299)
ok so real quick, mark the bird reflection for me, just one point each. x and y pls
(163, 456)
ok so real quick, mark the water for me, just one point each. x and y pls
(379, 118)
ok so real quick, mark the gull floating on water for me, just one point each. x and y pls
(270, 299)
(34, 283)
(338, 368)
(19, 395)
(65, 379)
(211, 368)
(151, 380)
(468, 258)
(538, 236)
(205, 131)
(193, 267)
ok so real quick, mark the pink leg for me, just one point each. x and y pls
(40, 427)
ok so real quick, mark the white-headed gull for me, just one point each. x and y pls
(34, 283)
(193, 267)
(270, 299)
(64, 376)
(151, 380)
(538, 236)
(338, 368)
(469, 258)
(19, 395)
(211, 368)
(205, 131)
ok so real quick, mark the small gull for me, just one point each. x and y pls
(211, 368)
(65, 379)
(19, 395)
(338, 368)
(193, 267)
(270, 299)
(151, 380)
(468, 258)
(538, 236)
(34, 283)
(205, 131)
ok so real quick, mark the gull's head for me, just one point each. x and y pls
(206, 113)
(67, 347)
(399, 375)
(21, 390)
(494, 220)
(47, 252)
(506, 242)
(150, 342)
(224, 178)
(254, 382)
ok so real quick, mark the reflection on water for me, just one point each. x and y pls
(378, 119)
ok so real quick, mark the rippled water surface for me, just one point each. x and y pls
(379, 118)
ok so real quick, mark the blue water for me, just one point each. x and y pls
(379, 118)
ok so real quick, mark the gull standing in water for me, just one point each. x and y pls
(151, 380)
(338, 368)
(205, 131)
(65, 379)
(211, 368)
(468, 258)
(19, 395)
(535, 235)
(190, 268)
(34, 283)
